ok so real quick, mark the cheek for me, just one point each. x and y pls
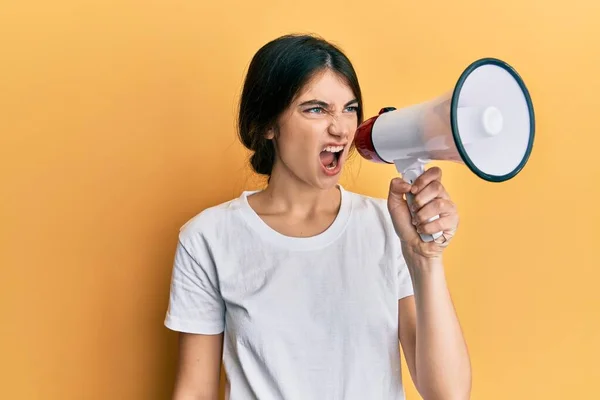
(351, 127)
(300, 142)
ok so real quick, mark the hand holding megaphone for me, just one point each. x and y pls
(432, 211)
(486, 122)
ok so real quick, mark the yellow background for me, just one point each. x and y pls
(117, 126)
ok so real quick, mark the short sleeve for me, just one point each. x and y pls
(404, 283)
(195, 303)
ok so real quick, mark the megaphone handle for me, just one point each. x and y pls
(410, 175)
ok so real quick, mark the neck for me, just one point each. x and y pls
(288, 194)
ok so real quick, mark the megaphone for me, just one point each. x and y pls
(485, 122)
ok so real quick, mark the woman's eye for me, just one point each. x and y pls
(321, 110)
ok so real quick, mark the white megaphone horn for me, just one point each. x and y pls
(486, 122)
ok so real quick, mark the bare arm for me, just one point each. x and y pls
(431, 338)
(407, 334)
(429, 330)
(199, 367)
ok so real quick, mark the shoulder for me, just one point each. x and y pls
(373, 223)
(364, 204)
(210, 220)
(371, 211)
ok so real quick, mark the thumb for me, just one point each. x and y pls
(398, 209)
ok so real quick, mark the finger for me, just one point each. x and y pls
(432, 174)
(399, 187)
(396, 201)
(447, 223)
(434, 190)
(399, 210)
(437, 206)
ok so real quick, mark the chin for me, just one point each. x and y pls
(328, 181)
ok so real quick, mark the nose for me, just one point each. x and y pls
(338, 127)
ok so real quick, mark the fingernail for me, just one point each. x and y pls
(413, 189)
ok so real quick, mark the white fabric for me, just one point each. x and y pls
(304, 318)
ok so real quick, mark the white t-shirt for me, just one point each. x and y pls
(304, 318)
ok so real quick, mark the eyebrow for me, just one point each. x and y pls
(315, 102)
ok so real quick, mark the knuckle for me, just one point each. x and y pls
(440, 205)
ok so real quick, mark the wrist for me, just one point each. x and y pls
(420, 266)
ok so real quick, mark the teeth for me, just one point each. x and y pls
(334, 149)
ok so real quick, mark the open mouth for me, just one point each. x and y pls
(330, 156)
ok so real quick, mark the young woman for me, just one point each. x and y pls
(303, 289)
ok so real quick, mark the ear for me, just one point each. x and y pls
(270, 134)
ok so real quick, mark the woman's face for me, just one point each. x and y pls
(316, 131)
